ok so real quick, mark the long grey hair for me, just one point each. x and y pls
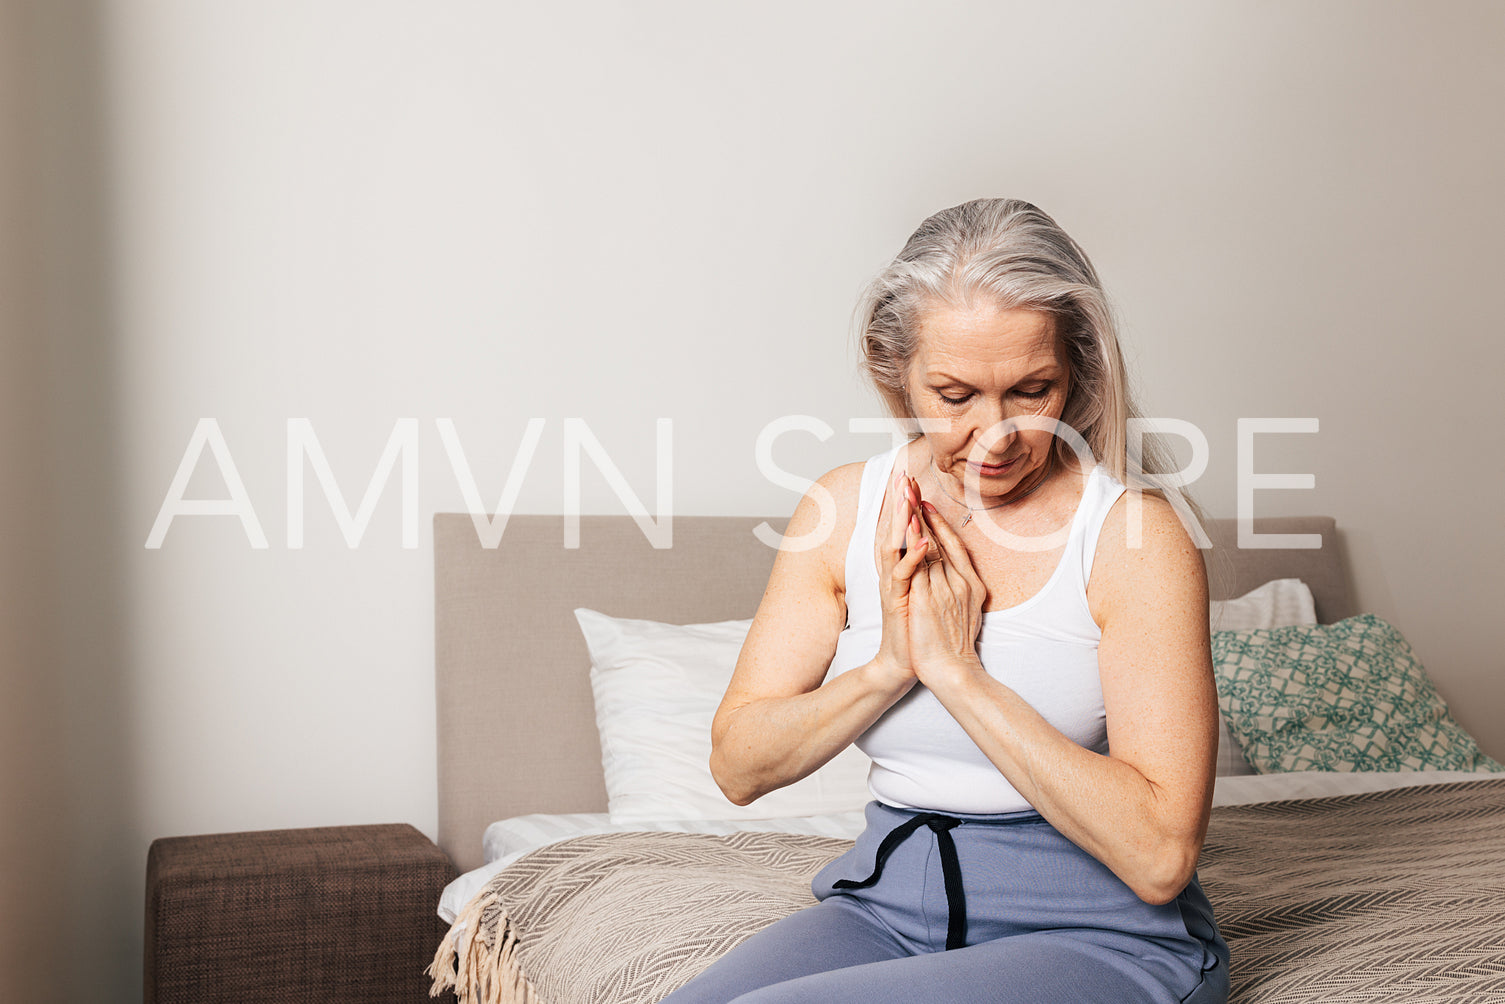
(1010, 254)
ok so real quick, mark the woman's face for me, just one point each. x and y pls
(974, 369)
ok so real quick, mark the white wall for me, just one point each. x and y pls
(360, 212)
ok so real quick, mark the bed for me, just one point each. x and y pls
(1336, 881)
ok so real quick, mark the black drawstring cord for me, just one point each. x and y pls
(951, 870)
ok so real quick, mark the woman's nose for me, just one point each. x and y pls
(994, 431)
(990, 415)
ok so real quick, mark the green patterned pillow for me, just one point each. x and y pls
(1348, 696)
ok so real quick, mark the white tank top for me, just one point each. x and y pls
(1045, 649)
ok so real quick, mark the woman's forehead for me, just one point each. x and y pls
(986, 341)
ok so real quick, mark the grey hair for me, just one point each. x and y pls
(1010, 254)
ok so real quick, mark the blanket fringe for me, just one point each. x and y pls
(481, 966)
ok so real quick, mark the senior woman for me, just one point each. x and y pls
(1012, 623)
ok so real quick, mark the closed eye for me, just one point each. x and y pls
(964, 398)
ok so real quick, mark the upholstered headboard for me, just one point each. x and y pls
(515, 714)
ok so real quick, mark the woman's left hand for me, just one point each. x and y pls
(945, 606)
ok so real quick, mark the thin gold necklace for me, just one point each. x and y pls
(1050, 465)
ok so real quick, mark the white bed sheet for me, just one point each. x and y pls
(509, 839)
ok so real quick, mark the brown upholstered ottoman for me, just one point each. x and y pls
(335, 914)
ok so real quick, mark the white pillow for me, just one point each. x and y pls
(657, 687)
(1278, 603)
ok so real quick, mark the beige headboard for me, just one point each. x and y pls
(516, 721)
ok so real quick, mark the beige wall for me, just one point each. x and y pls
(362, 212)
(69, 752)
(29, 696)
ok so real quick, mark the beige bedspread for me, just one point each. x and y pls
(1387, 896)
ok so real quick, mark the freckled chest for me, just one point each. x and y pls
(1013, 576)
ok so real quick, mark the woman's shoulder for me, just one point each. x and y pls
(826, 517)
(1143, 526)
(1143, 543)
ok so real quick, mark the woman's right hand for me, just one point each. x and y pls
(900, 547)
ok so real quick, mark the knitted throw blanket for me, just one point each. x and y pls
(1386, 896)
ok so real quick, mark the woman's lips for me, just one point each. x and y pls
(1002, 468)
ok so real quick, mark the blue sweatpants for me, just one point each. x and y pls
(1031, 918)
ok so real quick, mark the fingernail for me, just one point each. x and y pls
(925, 504)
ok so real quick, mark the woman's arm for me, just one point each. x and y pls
(1143, 809)
(778, 722)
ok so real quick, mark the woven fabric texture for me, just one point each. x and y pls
(331, 914)
(1388, 896)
